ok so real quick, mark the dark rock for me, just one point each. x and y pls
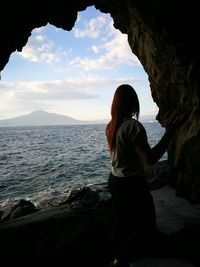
(159, 176)
(58, 237)
(77, 194)
(87, 197)
(21, 208)
(22, 211)
(155, 262)
(1, 213)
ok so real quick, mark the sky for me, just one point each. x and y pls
(73, 73)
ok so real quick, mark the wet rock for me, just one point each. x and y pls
(21, 208)
(87, 197)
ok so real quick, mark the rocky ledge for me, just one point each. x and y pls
(79, 232)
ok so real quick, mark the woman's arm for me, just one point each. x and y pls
(151, 155)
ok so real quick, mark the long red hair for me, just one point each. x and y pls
(125, 104)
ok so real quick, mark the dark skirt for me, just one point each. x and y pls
(135, 216)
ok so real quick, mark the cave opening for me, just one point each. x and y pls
(74, 74)
(89, 61)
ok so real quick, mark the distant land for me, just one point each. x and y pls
(43, 118)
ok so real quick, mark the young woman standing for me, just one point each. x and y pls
(130, 154)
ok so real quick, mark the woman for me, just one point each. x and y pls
(130, 155)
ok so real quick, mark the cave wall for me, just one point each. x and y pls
(164, 36)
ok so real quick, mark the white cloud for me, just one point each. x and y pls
(113, 49)
(30, 53)
(45, 47)
(95, 49)
(118, 49)
(92, 28)
(77, 88)
(47, 90)
(114, 53)
(87, 64)
(39, 38)
(40, 29)
(49, 57)
(40, 49)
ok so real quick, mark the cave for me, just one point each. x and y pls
(164, 37)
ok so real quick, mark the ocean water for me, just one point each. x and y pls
(43, 164)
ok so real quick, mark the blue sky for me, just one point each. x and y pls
(73, 73)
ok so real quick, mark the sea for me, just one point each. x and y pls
(43, 164)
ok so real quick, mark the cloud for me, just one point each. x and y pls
(39, 38)
(77, 88)
(49, 57)
(40, 29)
(101, 63)
(29, 53)
(114, 54)
(40, 49)
(91, 28)
(111, 52)
(95, 49)
(117, 49)
(47, 90)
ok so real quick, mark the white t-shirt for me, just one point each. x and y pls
(124, 159)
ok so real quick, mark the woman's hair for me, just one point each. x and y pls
(125, 104)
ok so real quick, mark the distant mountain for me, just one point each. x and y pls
(39, 118)
(42, 118)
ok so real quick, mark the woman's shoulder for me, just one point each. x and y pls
(134, 123)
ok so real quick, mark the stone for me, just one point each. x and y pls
(21, 208)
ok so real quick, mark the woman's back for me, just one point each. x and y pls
(124, 158)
